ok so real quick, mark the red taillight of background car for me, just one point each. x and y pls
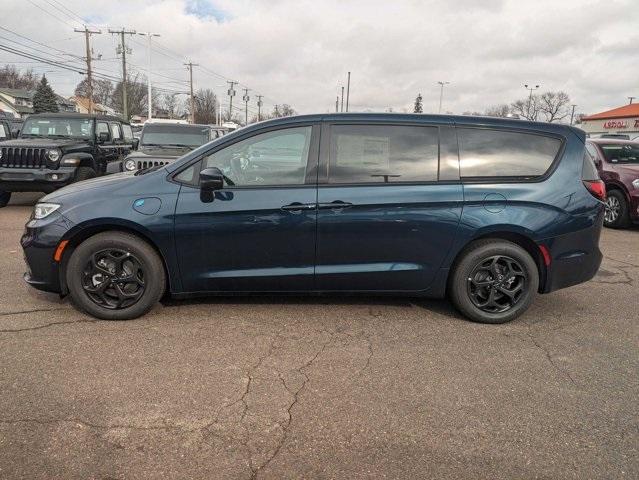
(597, 188)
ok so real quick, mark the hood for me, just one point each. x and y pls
(146, 153)
(110, 182)
(42, 142)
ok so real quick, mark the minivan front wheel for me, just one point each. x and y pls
(494, 281)
(115, 276)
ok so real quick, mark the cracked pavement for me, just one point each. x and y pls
(272, 388)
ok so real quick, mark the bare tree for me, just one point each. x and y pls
(502, 110)
(11, 77)
(136, 96)
(206, 106)
(527, 108)
(172, 104)
(102, 90)
(554, 106)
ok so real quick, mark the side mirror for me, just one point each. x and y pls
(103, 137)
(135, 143)
(211, 179)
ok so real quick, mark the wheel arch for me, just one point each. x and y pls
(82, 232)
(518, 238)
(86, 159)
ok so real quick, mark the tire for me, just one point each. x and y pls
(616, 215)
(4, 198)
(128, 278)
(473, 278)
(84, 173)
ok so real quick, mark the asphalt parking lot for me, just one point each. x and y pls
(321, 388)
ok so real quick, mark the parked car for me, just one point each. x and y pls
(617, 162)
(619, 136)
(55, 149)
(163, 142)
(489, 211)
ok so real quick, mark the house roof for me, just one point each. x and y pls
(85, 102)
(631, 110)
(18, 93)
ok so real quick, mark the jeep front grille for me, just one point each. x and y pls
(23, 157)
(142, 164)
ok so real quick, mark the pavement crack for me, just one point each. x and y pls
(40, 327)
(549, 357)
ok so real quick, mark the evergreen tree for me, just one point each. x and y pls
(418, 104)
(44, 99)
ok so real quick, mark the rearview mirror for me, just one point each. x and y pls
(211, 179)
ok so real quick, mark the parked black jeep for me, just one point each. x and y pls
(56, 149)
(9, 128)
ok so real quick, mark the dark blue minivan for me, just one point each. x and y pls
(487, 211)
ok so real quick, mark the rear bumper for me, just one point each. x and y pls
(576, 257)
(35, 180)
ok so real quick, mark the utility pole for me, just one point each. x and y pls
(530, 96)
(631, 99)
(348, 89)
(259, 108)
(190, 66)
(231, 93)
(441, 94)
(246, 99)
(123, 49)
(87, 36)
(337, 104)
(149, 35)
(342, 107)
(572, 114)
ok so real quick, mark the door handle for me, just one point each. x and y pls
(298, 207)
(335, 205)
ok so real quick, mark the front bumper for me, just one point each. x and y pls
(39, 242)
(35, 180)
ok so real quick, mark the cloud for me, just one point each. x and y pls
(299, 51)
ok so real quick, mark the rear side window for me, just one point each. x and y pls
(128, 133)
(383, 154)
(496, 153)
(115, 131)
(588, 170)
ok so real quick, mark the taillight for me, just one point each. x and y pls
(597, 188)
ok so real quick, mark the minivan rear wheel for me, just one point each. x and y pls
(494, 281)
(115, 276)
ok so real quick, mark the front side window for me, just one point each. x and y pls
(102, 128)
(115, 131)
(497, 153)
(621, 153)
(383, 154)
(3, 132)
(273, 158)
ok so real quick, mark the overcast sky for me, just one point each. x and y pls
(299, 52)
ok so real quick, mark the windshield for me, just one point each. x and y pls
(174, 135)
(621, 153)
(57, 128)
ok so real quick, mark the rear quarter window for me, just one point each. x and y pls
(499, 153)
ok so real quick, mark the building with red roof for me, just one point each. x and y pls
(624, 120)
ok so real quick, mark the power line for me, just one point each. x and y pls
(50, 14)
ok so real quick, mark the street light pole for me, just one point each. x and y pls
(149, 35)
(441, 94)
(530, 97)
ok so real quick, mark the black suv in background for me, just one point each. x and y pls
(161, 143)
(55, 149)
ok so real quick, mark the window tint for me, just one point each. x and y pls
(591, 150)
(115, 131)
(273, 158)
(494, 153)
(588, 169)
(128, 132)
(621, 153)
(383, 154)
(102, 128)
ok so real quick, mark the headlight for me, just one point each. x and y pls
(635, 183)
(129, 165)
(53, 154)
(43, 210)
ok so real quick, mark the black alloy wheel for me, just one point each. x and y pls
(496, 284)
(114, 279)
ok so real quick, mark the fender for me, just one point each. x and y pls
(76, 159)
